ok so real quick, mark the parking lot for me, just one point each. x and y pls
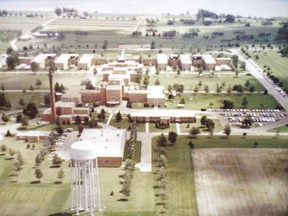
(258, 116)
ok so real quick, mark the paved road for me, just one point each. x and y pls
(253, 68)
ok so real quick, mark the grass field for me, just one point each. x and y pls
(190, 81)
(199, 101)
(276, 62)
(181, 188)
(183, 126)
(241, 182)
(24, 81)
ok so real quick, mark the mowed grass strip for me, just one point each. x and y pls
(198, 101)
(32, 200)
(190, 81)
(278, 64)
(181, 187)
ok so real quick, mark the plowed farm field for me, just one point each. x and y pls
(241, 182)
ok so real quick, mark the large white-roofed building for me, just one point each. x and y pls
(162, 61)
(185, 62)
(209, 62)
(109, 145)
(85, 61)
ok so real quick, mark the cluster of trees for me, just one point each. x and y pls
(129, 164)
(3, 12)
(169, 34)
(59, 88)
(12, 58)
(201, 14)
(30, 110)
(208, 123)
(188, 21)
(162, 165)
(136, 34)
(19, 161)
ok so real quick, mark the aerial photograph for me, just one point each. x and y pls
(144, 108)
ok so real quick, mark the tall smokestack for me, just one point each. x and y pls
(52, 94)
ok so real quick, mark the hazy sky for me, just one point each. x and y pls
(264, 8)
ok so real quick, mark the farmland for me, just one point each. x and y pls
(241, 182)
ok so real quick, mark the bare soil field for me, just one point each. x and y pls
(241, 182)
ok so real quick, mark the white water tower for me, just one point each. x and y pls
(84, 185)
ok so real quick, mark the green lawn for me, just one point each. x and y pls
(124, 123)
(234, 142)
(199, 101)
(49, 198)
(181, 186)
(184, 128)
(190, 81)
(274, 60)
(152, 128)
(283, 129)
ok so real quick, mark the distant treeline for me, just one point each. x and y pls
(3, 12)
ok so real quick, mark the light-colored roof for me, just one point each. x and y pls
(86, 59)
(185, 59)
(155, 92)
(33, 133)
(162, 59)
(64, 104)
(163, 113)
(42, 57)
(64, 58)
(208, 59)
(107, 142)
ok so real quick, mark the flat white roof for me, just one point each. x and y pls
(163, 113)
(185, 59)
(86, 59)
(64, 58)
(208, 59)
(64, 104)
(33, 133)
(107, 142)
(155, 92)
(42, 57)
(162, 59)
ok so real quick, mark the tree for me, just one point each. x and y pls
(191, 145)
(118, 117)
(31, 88)
(30, 110)
(152, 46)
(229, 89)
(227, 129)
(34, 66)
(25, 121)
(21, 102)
(8, 134)
(172, 136)
(2, 87)
(251, 89)
(19, 118)
(245, 102)
(203, 120)
(60, 130)
(4, 117)
(77, 120)
(247, 121)
(161, 141)
(228, 104)
(157, 82)
(194, 131)
(58, 11)
(61, 175)
(101, 116)
(38, 174)
(3, 148)
(229, 18)
(265, 92)
(12, 152)
(38, 83)
(235, 61)
(57, 161)
(210, 124)
(11, 62)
